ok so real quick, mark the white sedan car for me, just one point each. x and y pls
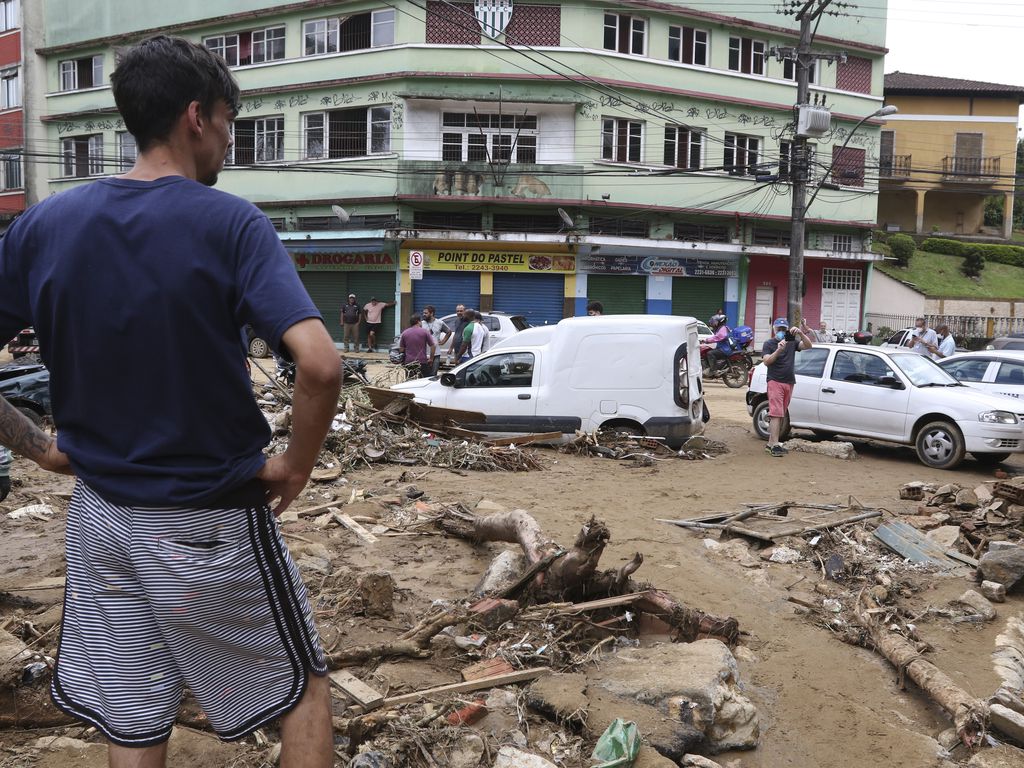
(1000, 372)
(896, 396)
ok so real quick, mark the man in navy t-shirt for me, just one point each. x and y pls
(176, 570)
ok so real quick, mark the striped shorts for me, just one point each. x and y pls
(160, 598)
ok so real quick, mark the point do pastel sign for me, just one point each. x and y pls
(458, 260)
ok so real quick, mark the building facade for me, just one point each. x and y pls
(531, 156)
(12, 115)
(952, 145)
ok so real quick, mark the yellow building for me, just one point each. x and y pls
(952, 144)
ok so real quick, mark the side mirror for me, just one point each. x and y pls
(890, 381)
(448, 379)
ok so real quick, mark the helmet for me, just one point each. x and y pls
(716, 320)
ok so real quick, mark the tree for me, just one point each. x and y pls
(994, 209)
(974, 261)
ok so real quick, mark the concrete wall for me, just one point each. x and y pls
(898, 207)
(888, 296)
(975, 307)
(953, 212)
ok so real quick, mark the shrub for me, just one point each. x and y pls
(1012, 255)
(902, 248)
(974, 261)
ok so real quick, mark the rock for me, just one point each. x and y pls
(975, 603)
(1003, 756)
(993, 591)
(467, 752)
(486, 505)
(325, 475)
(1008, 699)
(921, 523)
(947, 490)
(912, 491)
(32, 512)
(316, 564)
(1006, 721)
(945, 536)
(60, 744)
(785, 555)
(967, 499)
(377, 591)
(510, 757)
(734, 549)
(503, 572)
(1004, 566)
(995, 546)
(984, 494)
(649, 758)
(699, 762)
(836, 450)
(948, 739)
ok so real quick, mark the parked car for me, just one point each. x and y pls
(1015, 341)
(26, 386)
(899, 339)
(255, 346)
(897, 396)
(500, 325)
(25, 343)
(632, 373)
(999, 372)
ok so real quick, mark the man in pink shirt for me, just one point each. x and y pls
(373, 312)
(418, 345)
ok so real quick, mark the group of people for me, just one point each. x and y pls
(352, 315)
(428, 338)
(936, 344)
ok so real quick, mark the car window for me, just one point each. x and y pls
(1014, 345)
(520, 323)
(860, 367)
(897, 338)
(811, 362)
(966, 370)
(922, 371)
(1010, 373)
(704, 330)
(492, 323)
(511, 370)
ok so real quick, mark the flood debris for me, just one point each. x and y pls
(642, 451)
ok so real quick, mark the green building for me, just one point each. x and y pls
(455, 133)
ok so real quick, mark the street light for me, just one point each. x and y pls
(796, 246)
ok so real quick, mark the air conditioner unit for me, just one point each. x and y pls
(813, 122)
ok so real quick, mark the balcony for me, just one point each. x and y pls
(466, 181)
(894, 167)
(970, 170)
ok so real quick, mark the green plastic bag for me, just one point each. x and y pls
(618, 746)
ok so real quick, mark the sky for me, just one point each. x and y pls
(954, 38)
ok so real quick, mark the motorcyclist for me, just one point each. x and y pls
(719, 346)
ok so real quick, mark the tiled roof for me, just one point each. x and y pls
(906, 83)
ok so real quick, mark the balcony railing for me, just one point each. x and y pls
(970, 170)
(895, 167)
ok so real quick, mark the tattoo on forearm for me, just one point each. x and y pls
(21, 435)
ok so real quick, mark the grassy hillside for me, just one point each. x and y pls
(939, 275)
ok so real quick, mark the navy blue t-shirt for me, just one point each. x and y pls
(137, 291)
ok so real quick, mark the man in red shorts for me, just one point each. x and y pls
(779, 354)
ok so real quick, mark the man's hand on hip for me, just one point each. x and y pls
(282, 481)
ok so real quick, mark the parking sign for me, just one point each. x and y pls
(416, 265)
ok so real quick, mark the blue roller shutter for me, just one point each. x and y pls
(538, 298)
(445, 290)
(620, 294)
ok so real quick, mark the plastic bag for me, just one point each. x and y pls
(618, 746)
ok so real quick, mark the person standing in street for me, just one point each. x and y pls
(418, 345)
(177, 574)
(779, 354)
(374, 312)
(822, 336)
(457, 328)
(922, 339)
(350, 317)
(946, 345)
(439, 330)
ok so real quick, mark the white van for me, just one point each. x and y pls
(639, 373)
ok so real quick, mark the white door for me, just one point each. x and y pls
(840, 299)
(503, 387)
(764, 305)
(857, 396)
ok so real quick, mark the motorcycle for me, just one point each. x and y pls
(733, 372)
(353, 371)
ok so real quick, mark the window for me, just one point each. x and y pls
(82, 155)
(1010, 373)
(225, 46)
(257, 141)
(700, 233)
(967, 370)
(747, 55)
(479, 138)
(811, 362)
(343, 133)
(688, 45)
(10, 89)
(9, 16)
(348, 33)
(11, 165)
(848, 166)
(886, 153)
(622, 141)
(842, 243)
(127, 152)
(625, 34)
(789, 70)
(740, 157)
(860, 368)
(683, 147)
(242, 48)
(268, 45)
(511, 370)
(77, 74)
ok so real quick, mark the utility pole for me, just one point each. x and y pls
(799, 167)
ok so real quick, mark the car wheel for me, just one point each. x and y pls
(258, 348)
(940, 445)
(762, 423)
(31, 414)
(990, 459)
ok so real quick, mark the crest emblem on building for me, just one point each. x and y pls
(493, 16)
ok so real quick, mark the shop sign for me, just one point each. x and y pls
(457, 260)
(672, 266)
(333, 261)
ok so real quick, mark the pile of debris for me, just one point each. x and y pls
(642, 451)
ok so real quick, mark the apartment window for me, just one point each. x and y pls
(11, 167)
(10, 89)
(9, 18)
(625, 34)
(242, 48)
(76, 74)
(257, 141)
(886, 153)
(688, 45)
(225, 46)
(82, 155)
(747, 55)
(348, 33)
(346, 133)
(268, 45)
(789, 70)
(683, 147)
(842, 243)
(848, 166)
(472, 137)
(127, 152)
(622, 141)
(741, 154)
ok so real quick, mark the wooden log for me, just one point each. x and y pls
(414, 643)
(355, 689)
(524, 439)
(689, 624)
(497, 681)
(356, 528)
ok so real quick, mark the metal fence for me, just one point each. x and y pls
(965, 328)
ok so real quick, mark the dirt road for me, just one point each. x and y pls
(822, 703)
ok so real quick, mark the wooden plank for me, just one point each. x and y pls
(314, 511)
(520, 676)
(596, 605)
(487, 668)
(355, 527)
(356, 689)
(526, 439)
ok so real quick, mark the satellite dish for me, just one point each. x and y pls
(341, 213)
(566, 218)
